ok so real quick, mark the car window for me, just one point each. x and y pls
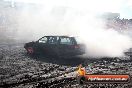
(66, 40)
(53, 40)
(43, 40)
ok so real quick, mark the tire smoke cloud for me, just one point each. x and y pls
(74, 17)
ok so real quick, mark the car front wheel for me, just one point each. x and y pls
(30, 50)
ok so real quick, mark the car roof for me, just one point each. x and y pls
(57, 36)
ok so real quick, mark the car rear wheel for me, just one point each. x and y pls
(30, 50)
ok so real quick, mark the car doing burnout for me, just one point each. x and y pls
(55, 46)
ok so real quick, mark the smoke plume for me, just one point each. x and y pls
(73, 17)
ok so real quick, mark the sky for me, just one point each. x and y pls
(124, 7)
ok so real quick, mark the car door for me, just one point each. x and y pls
(66, 46)
(41, 45)
(53, 45)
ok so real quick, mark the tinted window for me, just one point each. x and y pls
(43, 40)
(53, 40)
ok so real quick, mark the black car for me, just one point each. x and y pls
(55, 46)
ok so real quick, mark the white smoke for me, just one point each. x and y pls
(74, 17)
